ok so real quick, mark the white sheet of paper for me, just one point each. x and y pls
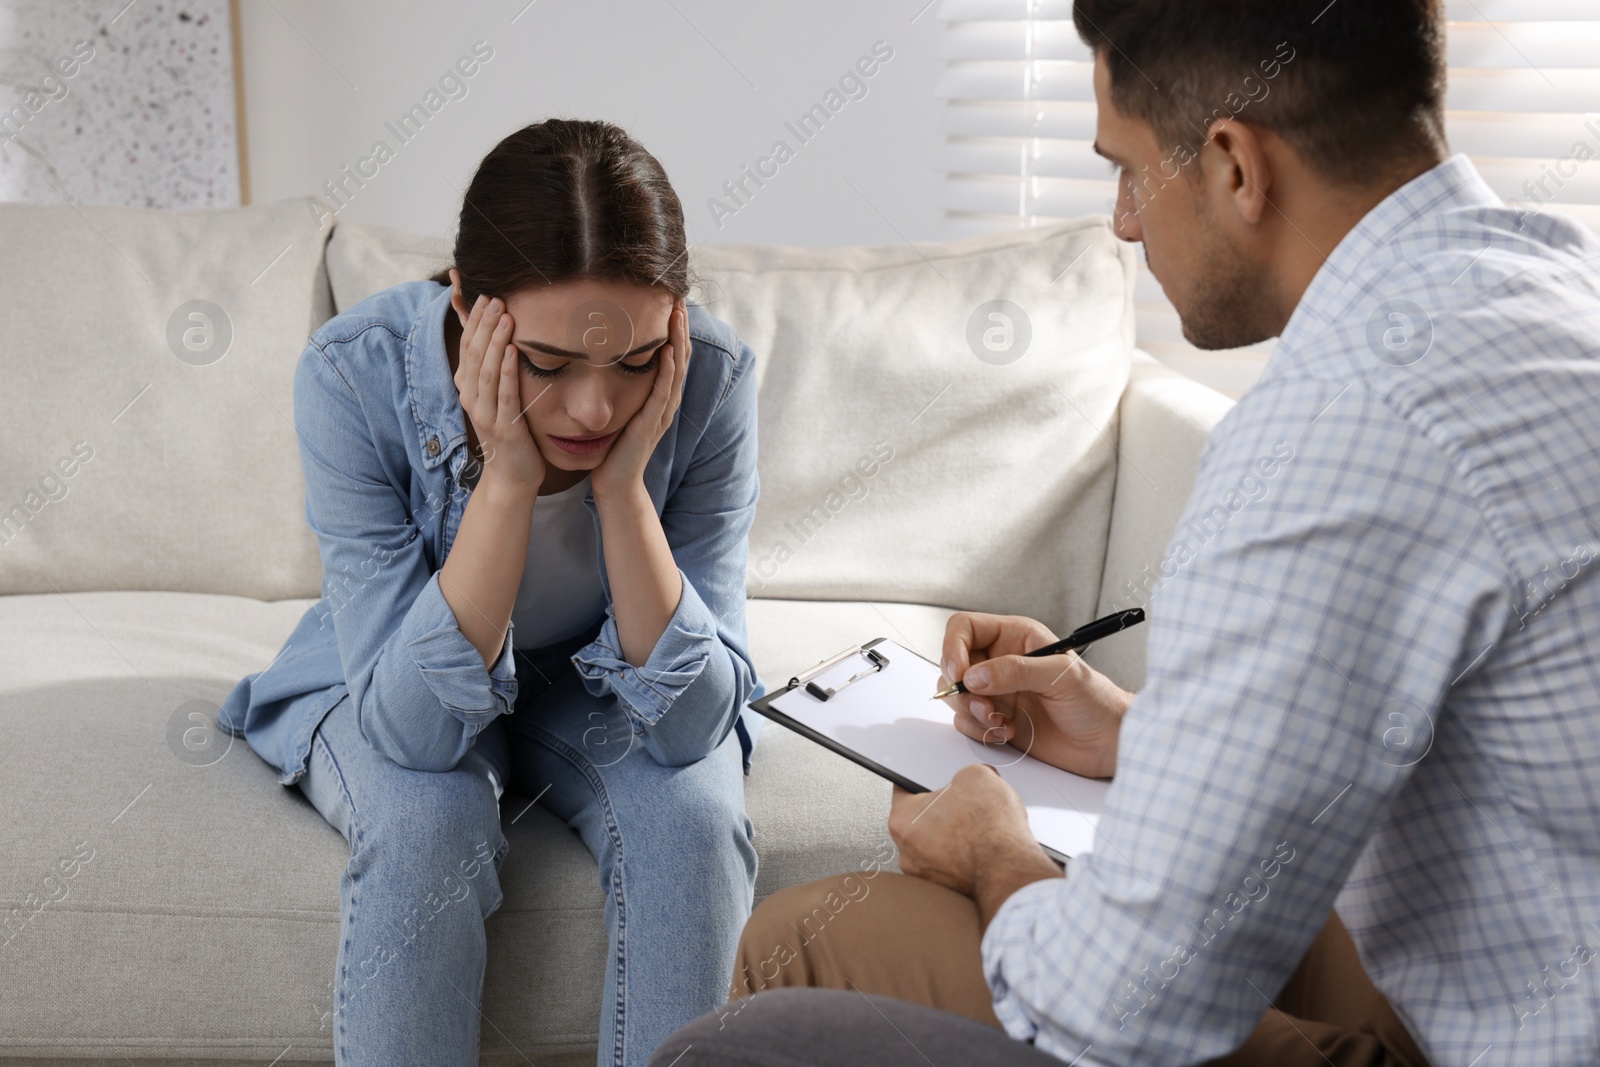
(887, 718)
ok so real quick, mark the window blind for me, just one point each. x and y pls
(1019, 116)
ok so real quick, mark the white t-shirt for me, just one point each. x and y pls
(560, 595)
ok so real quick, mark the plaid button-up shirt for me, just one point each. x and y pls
(1374, 676)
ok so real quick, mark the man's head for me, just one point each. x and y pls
(1250, 135)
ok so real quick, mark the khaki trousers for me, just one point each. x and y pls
(903, 937)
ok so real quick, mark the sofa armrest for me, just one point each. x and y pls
(1163, 420)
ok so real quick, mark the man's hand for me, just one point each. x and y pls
(1054, 708)
(971, 836)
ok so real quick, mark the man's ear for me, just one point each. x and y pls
(1236, 168)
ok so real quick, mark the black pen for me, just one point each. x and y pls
(1086, 634)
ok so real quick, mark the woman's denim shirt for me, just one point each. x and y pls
(383, 443)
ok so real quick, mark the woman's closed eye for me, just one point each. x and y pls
(625, 367)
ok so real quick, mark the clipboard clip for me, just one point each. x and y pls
(877, 659)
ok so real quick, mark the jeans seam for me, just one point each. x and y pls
(572, 756)
(320, 746)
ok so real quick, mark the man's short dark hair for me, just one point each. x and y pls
(1356, 87)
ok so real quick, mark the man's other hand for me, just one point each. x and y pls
(971, 836)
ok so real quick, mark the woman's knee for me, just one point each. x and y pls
(688, 820)
(711, 815)
(672, 745)
(435, 837)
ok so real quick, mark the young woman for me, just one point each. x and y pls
(531, 478)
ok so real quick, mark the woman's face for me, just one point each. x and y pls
(587, 354)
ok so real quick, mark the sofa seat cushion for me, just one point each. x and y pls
(184, 904)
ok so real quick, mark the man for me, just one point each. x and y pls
(1373, 686)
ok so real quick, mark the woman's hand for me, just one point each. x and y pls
(622, 471)
(1054, 708)
(490, 384)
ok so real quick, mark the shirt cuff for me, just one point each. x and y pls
(680, 655)
(451, 665)
(1010, 933)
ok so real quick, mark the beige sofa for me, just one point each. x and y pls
(165, 901)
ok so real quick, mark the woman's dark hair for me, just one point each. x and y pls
(1362, 82)
(568, 198)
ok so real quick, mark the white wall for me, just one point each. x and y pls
(705, 85)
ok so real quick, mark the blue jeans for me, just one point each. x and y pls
(674, 847)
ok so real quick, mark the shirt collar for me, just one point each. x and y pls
(1366, 249)
(435, 403)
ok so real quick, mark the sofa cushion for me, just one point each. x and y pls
(365, 259)
(904, 459)
(200, 916)
(150, 356)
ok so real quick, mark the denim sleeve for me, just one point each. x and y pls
(679, 656)
(420, 688)
(693, 686)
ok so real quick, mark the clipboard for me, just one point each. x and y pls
(876, 713)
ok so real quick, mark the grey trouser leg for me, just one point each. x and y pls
(826, 1027)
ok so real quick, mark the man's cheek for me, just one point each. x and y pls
(1165, 244)
(1154, 254)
